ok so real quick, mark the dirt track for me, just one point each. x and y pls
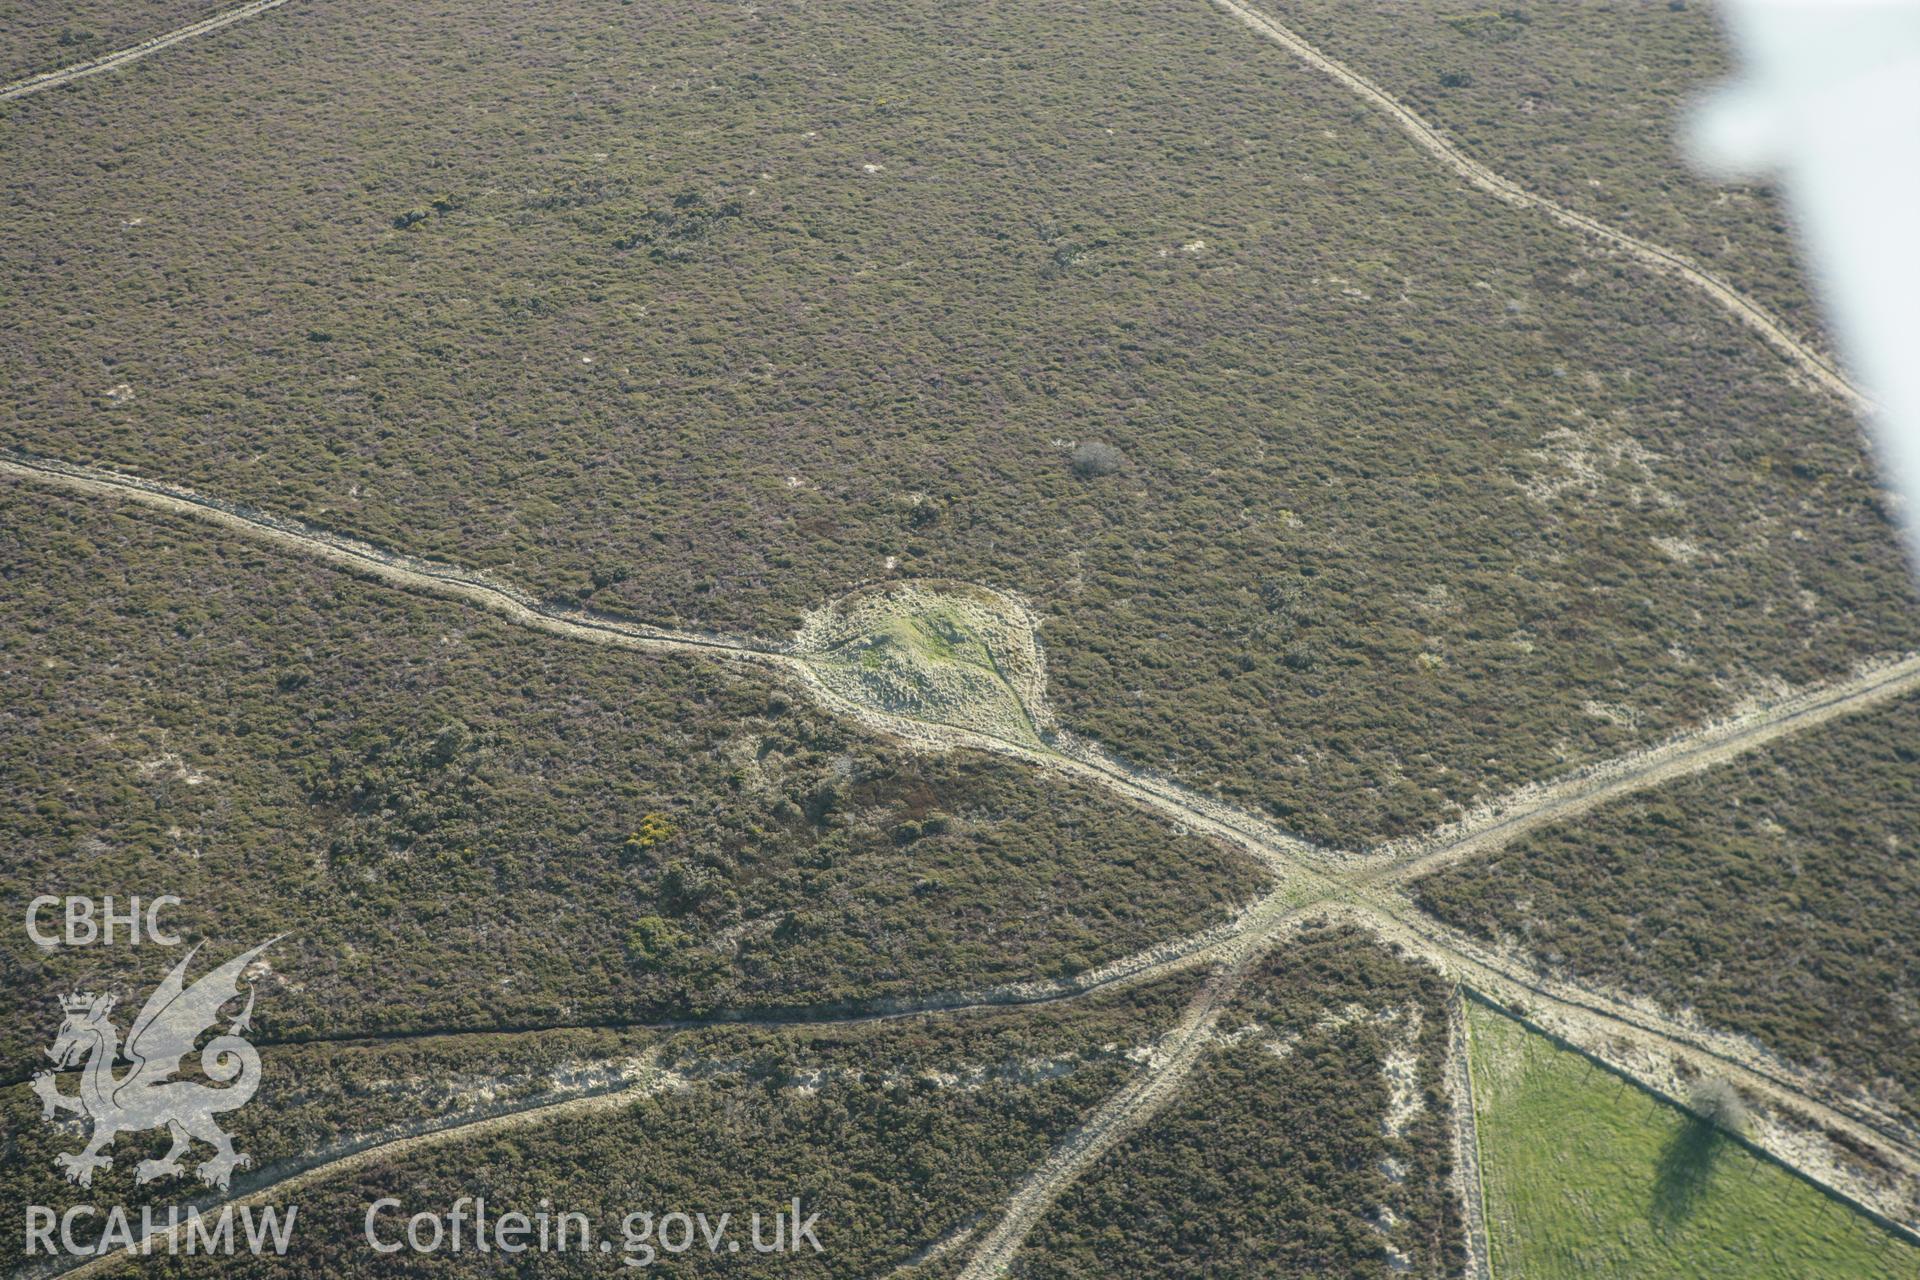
(427, 1135)
(1631, 1041)
(1798, 1113)
(1118, 1117)
(1362, 888)
(1652, 256)
(132, 53)
(1688, 753)
(1466, 1141)
(1424, 135)
(1310, 880)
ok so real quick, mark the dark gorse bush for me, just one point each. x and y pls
(1096, 459)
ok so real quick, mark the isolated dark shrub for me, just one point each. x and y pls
(653, 944)
(1096, 459)
(1718, 1103)
(685, 887)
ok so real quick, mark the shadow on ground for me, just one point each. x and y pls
(1684, 1173)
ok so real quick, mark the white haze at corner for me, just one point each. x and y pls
(1827, 101)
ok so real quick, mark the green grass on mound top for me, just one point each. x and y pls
(949, 654)
(1588, 1175)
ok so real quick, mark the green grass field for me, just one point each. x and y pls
(1587, 1175)
(1773, 896)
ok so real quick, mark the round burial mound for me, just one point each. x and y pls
(942, 652)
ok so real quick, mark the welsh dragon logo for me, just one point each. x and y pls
(146, 1095)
